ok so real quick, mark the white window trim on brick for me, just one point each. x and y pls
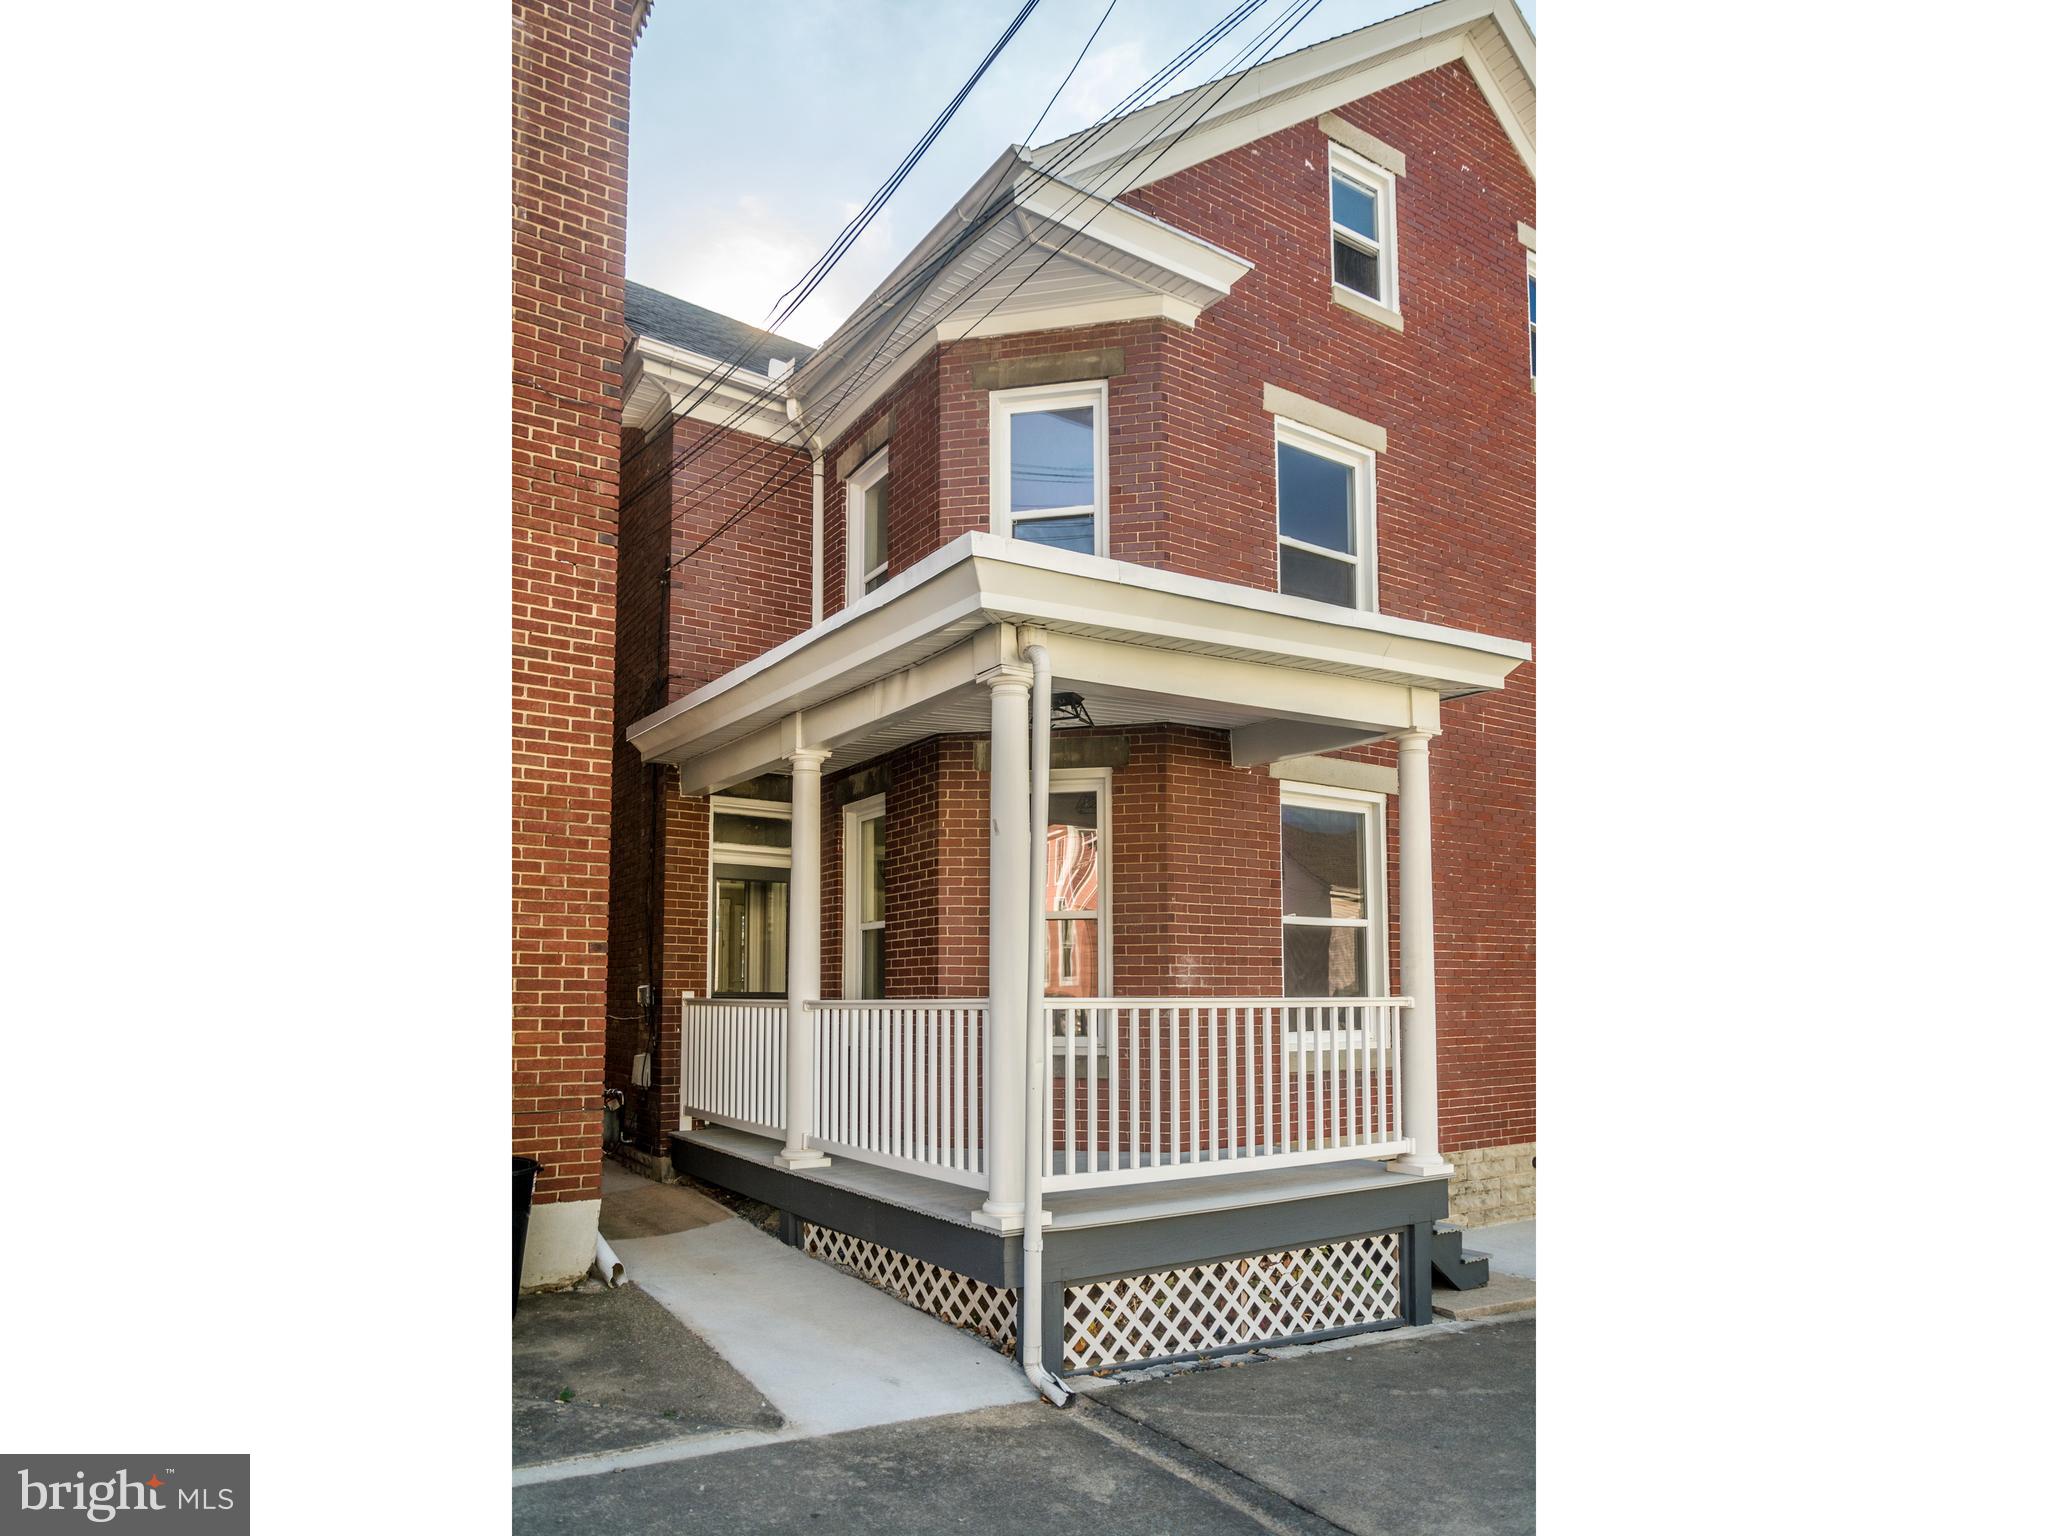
(1364, 507)
(1530, 293)
(734, 853)
(1083, 781)
(1005, 403)
(874, 808)
(1373, 806)
(1348, 165)
(863, 572)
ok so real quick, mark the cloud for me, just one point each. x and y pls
(741, 258)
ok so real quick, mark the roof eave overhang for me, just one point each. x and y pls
(980, 581)
(1136, 265)
(660, 376)
(1303, 84)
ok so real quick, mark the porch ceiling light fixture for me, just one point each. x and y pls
(1069, 709)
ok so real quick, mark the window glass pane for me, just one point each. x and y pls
(751, 937)
(1322, 862)
(745, 831)
(1073, 870)
(1052, 459)
(1073, 960)
(874, 851)
(1354, 208)
(872, 961)
(1075, 533)
(875, 538)
(1532, 300)
(1303, 574)
(1324, 962)
(1315, 499)
(1359, 270)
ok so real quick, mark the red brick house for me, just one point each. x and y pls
(1074, 809)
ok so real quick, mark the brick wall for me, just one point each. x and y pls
(750, 588)
(1191, 489)
(570, 71)
(1456, 496)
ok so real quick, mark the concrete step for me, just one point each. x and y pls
(1501, 1295)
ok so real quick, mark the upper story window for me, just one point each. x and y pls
(867, 527)
(1532, 314)
(1362, 227)
(1049, 464)
(1325, 517)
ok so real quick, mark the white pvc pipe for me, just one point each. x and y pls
(1030, 1344)
(609, 1269)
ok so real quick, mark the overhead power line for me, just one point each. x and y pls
(1262, 44)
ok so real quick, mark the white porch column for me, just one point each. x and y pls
(806, 934)
(1418, 960)
(1009, 929)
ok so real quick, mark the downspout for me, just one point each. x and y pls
(1030, 1341)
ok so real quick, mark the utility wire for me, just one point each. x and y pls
(1277, 31)
(793, 297)
(922, 276)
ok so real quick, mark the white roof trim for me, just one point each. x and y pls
(1301, 86)
(659, 376)
(1129, 260)
(980, 579)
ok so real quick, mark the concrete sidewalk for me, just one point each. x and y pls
(1424, 1433)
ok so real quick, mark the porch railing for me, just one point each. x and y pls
(900, 1083)
(1141, 1088)
(733, 1063)
(1135, 1088)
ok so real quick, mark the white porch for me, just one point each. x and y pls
(1130, 1094)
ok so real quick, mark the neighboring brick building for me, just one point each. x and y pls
(571, 69)
(1242, 456)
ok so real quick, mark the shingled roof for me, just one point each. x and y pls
(664, 317)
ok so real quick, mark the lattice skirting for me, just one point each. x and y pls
(971, 1304)
(1233, 1303)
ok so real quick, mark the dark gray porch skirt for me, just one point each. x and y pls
(1081, 1256)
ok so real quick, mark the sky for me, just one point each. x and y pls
(760, 129)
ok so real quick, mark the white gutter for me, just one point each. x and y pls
(1030, 1343)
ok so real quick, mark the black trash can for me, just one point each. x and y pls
(524, 1171)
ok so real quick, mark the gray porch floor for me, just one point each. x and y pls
(1072, 1210)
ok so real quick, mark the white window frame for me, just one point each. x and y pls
(1005, 403)
(1349, 165)
(861, 569)
(1373, 806)
(1072, 780)
(874, 808)
(737, 853)
(1364, 509)
(1526, 290)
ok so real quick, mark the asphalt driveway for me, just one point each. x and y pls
(1431, 1431)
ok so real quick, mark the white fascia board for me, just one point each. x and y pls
(979, 580)
(1303, 85)
(1151, 240)
(658, 377)
(1189, 273)
(857, 326)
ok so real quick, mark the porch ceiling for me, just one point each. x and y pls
(1285, 676)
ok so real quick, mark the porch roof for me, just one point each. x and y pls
(1283, 674)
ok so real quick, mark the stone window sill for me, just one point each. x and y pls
(1359, 304)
